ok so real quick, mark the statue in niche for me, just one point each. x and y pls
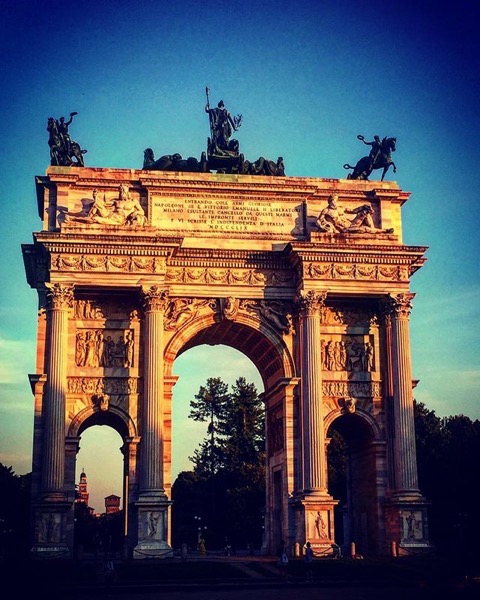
(412, 526)
(380, 157)
(333, 219)
(152, 523)
(129, 349)
(123, 210)
(320, 527)
(368, 357)
(63, 150)
(87, 309)
(49, 529)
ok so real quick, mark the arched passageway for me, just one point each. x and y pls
(357, 452)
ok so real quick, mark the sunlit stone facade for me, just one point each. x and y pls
(134, 267)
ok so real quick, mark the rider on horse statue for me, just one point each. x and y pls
(63, 150)
(380, 157)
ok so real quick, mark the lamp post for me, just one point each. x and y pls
(198, 521)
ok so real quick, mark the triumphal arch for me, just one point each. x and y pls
(308, 277)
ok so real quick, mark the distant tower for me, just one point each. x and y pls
(82, 489)
(112, 504)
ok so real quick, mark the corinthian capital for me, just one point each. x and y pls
(400, 305)
(154, 298)
(312, 302)
(59, 296)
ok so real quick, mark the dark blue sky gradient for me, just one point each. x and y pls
(307, 78)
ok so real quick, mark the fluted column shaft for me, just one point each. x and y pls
(152, 434)
(405, 460)
(314, 461)
(59, 303)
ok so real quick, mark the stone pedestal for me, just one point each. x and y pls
(53, 534)
(152, 528)
(314, 522)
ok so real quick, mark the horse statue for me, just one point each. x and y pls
(64, 152)
(380, 157)
(173, 162)
(262, 166)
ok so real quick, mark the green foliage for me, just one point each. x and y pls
(337, 466)
(14, 511)
(227, 486)
(449, 471)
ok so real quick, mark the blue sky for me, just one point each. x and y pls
(307, 78)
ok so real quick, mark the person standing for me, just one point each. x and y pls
(282, 560)
(308, 560)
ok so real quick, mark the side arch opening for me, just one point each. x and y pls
(356, 456)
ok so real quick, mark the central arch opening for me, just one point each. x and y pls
(199, 501)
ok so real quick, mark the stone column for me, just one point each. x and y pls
(152, 504)
(59, 303)
(314, 461)
(313, 506)
(404, 459)
(151, 482)
(53, 506)
(404, 504)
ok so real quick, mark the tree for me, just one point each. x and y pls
(448, 472)
(14, 511)
(229, 465)
(210, 405)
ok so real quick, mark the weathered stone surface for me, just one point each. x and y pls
(155, 263)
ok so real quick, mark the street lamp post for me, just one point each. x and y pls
(198, 520)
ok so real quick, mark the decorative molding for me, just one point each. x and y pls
(102, 385)
(357, 271)
(356, 389)
(155, 298)
(108, 263)
(59, 296)
(312, 302)
(399, 306)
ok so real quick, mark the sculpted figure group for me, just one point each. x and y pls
(95, 349)
(333, 219)
(63, 150)
(123, 210)
(223, 152)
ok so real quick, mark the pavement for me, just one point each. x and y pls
(215, 577)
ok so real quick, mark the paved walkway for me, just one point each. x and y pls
(238, 578)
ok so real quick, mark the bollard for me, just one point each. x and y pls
(352, 549)
(296, 549)
(394, 549)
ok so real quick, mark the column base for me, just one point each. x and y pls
(43, 551)
(314, 521)
(153, 549)
(407, 522)
(53, 519)
(152, 512)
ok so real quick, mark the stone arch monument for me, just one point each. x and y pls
(308, 277)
